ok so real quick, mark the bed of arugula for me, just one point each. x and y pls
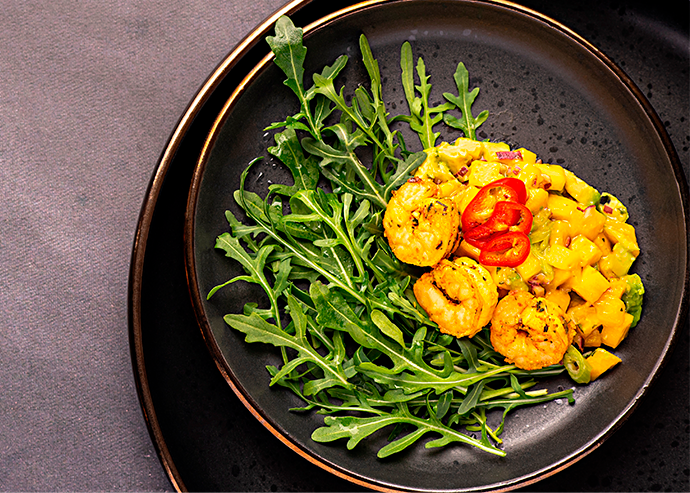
(355, 345)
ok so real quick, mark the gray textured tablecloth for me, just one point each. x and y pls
(89, 93)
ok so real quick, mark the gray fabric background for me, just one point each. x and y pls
(89, 93)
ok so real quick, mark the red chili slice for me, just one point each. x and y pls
(505, 250)
(507, 216)
(482, 205)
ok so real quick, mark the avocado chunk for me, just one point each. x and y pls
(633, 297)
(580, 190)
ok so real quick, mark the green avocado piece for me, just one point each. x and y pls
(633, 297)
(580, 190)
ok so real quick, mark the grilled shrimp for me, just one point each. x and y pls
(459, 295)
(421, 227)
(530, 332)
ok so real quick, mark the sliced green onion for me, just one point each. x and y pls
(576, 364)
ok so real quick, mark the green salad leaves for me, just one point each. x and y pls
(355, 345)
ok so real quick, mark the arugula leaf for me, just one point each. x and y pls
(463, 101)
(290, 54)
(254, 265)
(305, 170)
(257, 329)
(422, 117)
(357, 428)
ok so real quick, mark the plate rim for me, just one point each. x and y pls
(166, 158)
(137, 257)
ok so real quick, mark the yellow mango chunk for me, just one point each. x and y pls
(491, 148)
(529, 173)
(560, 276)
(450, 187)
(585, 318)
(561, 257)
(554, 176)
(458, 156)
(560, 233)
(529, 268)
(537, 198)
(590, 284)
(617, 263)
(593, 339)
(561, 207)
(623, 233)
(617, 287)
(559, 297)
(600, 361)
(613, 335)
(527, 156)
(484, 172)
(603, 243)
(592, 223)
(463, 199)
(586, 249)
(610, 309)
(434, 169)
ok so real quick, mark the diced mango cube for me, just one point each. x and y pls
(584, 193)
(590, 284)
(592, 223)
(463, 200)
(561, 207)
(613, 335)
(555, 176)
(561, 257)
(576, 221)
(559, 297)
(537, 199)
(434, 168)
(560, 233)
(527, 155)
(529, 268)
(600, 361)
(484, 172)
(593, 339)
(617, 287)
(585, 318)
(610, 309)
(603, 243)
(491, 148)
(560, 276)
(529, 173)
(585, 248)
(623, 233)
(460, 154)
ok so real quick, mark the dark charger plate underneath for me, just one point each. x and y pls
(212, 442)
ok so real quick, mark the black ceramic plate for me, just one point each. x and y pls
(527, 111)
(547, 90)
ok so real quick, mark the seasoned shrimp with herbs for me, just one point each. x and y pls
(531, 332)
(421, 227)
(459, 295)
